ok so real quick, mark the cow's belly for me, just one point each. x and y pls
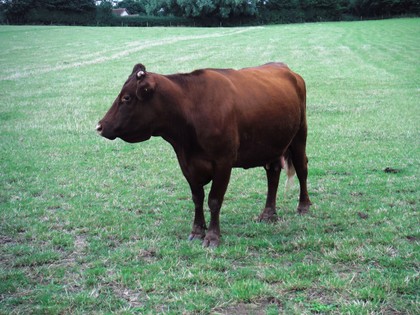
(260, 145)
(255, 155)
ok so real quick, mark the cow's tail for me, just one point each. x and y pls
(290, 170)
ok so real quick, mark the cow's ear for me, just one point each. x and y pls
(145, 88)
(138, 67)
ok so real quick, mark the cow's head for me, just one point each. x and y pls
(132, 115)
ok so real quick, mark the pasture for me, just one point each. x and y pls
(90, 226)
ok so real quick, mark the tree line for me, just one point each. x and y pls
(200, 12)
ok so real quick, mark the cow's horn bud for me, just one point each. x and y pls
(140, 74)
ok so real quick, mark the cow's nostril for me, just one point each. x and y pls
(98, 127)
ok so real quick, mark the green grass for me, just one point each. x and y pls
(94, 226)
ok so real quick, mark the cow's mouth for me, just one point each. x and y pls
(135, 138)
(100, 131)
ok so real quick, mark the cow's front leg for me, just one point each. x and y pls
(199, 225)
(217, 193)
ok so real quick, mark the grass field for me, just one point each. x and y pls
(90, 226)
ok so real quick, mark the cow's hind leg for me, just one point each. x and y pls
(300, 162)
(273, 174)
(199, 225)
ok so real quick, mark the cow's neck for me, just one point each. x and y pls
(175, 128)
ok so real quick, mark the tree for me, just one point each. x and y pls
(236, 8)
(157, 7)
(316, 10)
(217, 8)
(133, 6)
(50, 11)
(104, 13)
(199, 8)
(281, 11)
(15, 11)
(67, 5)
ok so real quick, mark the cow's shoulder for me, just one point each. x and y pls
(207, 107)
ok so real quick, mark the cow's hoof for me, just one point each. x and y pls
(194, 236)
(211, 240)
(303, 208)
(197, 233)
(268, 215)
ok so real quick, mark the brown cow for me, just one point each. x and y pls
(217, 119)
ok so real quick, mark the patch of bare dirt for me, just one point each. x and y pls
(412, 238)
(6, 240)
(391, 170)
(132, 297)
(80, 245)
(256, 308)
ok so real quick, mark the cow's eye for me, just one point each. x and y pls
(126, 98)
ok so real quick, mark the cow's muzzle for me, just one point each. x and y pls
(105, 131)
(99, 128)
